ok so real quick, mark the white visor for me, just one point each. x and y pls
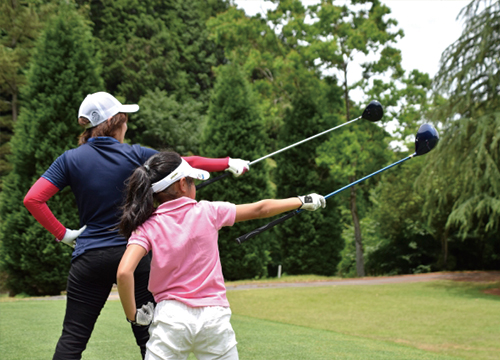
(183, 170)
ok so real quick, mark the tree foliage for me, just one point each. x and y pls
(64, 70)
(465, 167)
(310, 242)
(234, 128)
(20, 25)
(168, 123)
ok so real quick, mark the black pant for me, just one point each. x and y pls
(90, 280)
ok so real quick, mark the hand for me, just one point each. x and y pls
(312, 202)
(144, 315)
(71, 235)
(238, 167)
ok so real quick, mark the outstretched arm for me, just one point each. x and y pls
(125, 278)
(271, 207)
(236, 166)
(207, 164)
(265, 208)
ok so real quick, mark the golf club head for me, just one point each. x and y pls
(373, 111)
(426, 139)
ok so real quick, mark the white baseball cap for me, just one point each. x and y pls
(183, 170)
(100, 106)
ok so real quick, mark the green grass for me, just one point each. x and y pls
(445, 317)
(440, 320)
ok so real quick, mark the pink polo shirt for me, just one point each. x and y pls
(183, 234)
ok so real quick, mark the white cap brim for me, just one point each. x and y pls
(183, 170)
(131, 108)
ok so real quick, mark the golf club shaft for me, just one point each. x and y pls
(303, 141)
(220, 177)
(368, 176)
(251, 234)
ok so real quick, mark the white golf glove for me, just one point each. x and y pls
(312, 202)
(71, 235)
(144, 315)
(238, 167)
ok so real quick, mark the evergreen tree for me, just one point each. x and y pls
(234, 128)
(152, 44)
(64, 70)
(20, 25)
(461, 179)
(310, 242)
(168, 123)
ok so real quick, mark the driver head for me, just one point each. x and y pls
(373, 111)
(426, 139)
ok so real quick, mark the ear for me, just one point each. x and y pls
(183, 186)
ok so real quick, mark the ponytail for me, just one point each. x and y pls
(139, 200)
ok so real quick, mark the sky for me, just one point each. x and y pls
(430, 26)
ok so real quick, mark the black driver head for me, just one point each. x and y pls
(373, 111)
(426, 139)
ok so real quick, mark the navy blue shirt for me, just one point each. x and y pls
(96, 172)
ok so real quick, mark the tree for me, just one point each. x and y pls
(64, 70)
(169, 124)
(20, 25)
(234, 127)
(337, 35)
(156, 44)
(311, 242)
(296, 104)
(406, 242)
(463, 172)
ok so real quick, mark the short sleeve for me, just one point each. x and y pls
(146, 153)
(225, 213)
(57, 173)
(139, 237)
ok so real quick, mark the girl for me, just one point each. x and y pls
(192, 312)
(96, 172)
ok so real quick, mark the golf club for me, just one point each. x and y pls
(373, 112)
(426, 139)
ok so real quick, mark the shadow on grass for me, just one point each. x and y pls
(469, 290)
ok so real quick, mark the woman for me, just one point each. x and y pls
(96, 172)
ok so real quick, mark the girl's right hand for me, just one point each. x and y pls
(312, 202)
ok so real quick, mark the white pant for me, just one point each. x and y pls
(177, 330)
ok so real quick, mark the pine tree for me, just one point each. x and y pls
(64, 70)
(20, 26)
(234, 128)
(150, 44)
(310, 242)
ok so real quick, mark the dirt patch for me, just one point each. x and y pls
(492, 292)
(482, 277)
(477, 276)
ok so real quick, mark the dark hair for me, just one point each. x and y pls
(139, 200)
(106, 128)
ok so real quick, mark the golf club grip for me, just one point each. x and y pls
(251, 234)
(212, 180)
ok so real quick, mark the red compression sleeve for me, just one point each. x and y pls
(207, 164)
(36, 203)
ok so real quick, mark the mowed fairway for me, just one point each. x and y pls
(447, 318)
(433, 320)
